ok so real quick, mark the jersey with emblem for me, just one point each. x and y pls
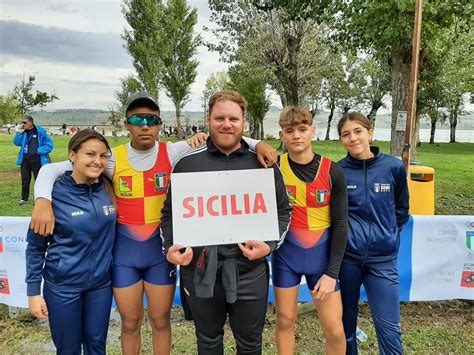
(311, 215)
(140, 194)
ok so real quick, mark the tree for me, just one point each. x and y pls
(162, 45)
(145, 39)
(447, 75)
(385, 27)
(128, 85)
(377, 74)
(216, 82)
(251, 83)
(342, 86)
(26, 99)
(9, 112)
(178, 49)
(292, 51)
(115, 118)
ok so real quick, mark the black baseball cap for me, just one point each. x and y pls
(143, 99)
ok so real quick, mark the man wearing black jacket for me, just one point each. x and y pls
(230, 278)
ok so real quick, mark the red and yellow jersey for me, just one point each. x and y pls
(140, 194)
(311, 215)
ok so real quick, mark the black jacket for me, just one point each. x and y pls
(210, 158)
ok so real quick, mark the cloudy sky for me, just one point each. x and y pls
(75, 50)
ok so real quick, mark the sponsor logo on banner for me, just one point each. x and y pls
(467, 277)
(125, 186)
(1, 245)
(161, 181)
(470, 240)
(13, 244)
(4, 287)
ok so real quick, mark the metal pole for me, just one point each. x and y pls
(411, 107)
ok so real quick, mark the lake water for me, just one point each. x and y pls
(271, 127)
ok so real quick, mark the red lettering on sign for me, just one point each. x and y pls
(224, 205)
(215, 205)
(200, 206)
(233, 205)
(259, 204)
(210, 210)
(187, 204)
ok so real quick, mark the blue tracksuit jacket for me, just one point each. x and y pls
(378, 206)
(79, 253)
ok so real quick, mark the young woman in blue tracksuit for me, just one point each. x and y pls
(378, 208)
(75, 262)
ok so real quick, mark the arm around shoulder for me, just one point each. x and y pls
(48, 174)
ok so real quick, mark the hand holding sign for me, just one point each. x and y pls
(175, 256)
(254, 249)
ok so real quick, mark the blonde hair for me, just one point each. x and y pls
(294, 116)
(228, 95)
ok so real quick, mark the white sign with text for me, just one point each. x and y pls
(224, 207)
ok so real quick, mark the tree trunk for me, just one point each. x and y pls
(289, 86)
(373, 113)
(177, 106)
(433, 129)
(400, 88)
(453, 120)
(452, 127)
(262, 131)
(331, 115)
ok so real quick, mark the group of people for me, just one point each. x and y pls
(102, 224)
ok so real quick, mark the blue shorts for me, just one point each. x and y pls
(291, 261)
(136, 260)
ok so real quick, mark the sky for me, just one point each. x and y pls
(75, 50)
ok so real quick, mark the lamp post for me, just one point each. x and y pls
(411, 106)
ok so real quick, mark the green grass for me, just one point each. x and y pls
(428, 327)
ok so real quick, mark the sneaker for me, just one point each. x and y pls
(22, 202)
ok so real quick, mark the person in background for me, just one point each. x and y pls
(378, 208)
(140, 171)
(75, 263)
(315, 243)
(35, 145)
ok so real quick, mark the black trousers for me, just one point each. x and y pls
(28, 166)
(246, 315)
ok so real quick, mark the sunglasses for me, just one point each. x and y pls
(144, 119)
(24, 122)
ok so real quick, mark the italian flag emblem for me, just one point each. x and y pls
(321, 196)
(161, 181)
